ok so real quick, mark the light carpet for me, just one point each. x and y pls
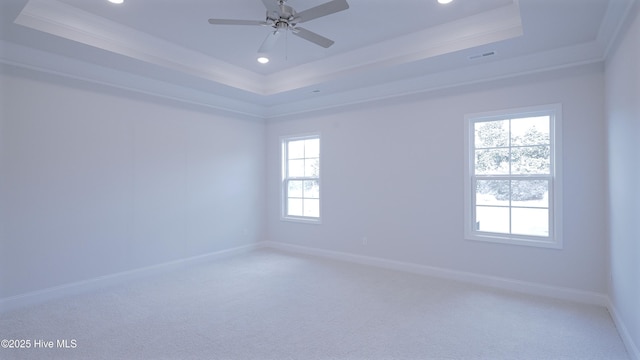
(272, 305)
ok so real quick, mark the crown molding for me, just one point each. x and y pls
(612, 24)
(558, 59)
(19, 56)
(37, 60)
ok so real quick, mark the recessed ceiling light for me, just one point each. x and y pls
(263, 60)
(444, 1)
(116, 1)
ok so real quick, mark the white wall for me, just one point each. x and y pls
(94, 183)
(623, 125)
(392, 171)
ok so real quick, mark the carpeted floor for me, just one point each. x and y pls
(270, 305)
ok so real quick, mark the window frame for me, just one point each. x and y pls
(555, 239)
(284, 190)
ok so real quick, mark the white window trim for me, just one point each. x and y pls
(555, 239)
(283, 175)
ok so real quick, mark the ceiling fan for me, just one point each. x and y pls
(283, 17)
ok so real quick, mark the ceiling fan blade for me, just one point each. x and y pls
(325, 9)
(271, 5)
(268, 43)
(236, 22)
(313, 37)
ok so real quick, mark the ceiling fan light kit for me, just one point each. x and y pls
(282, 17)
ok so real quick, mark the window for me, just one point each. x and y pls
(301, 178)
(513, 177)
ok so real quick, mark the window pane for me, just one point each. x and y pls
(311, 189)
(296, 149)
(312, 148)
(491, 134)
(533, 222)
(492, 192)
(492, 162)
(294, 207)
(312, 207)
(296, 168)
(530, 131)
(312, 167)
(492, 219)
(295, 189)
(531, 160)
(530, 193)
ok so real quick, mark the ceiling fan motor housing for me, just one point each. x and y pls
(282, 19)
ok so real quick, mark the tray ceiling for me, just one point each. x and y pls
(382, 48)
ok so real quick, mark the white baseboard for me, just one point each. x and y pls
(631, 345)
(531, 288)
(40, 296)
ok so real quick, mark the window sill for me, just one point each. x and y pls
(302, 220)
(521, 241)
